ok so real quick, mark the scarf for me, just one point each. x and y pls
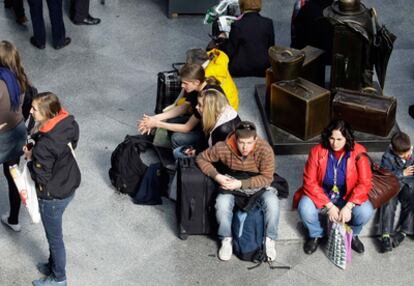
(12, 86)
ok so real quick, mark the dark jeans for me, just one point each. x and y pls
(193, 138)
(14, 197)
(17, 6)
(79, 10)
(56, 21)
(51, 212)
(387, 212)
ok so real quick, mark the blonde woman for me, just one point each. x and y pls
(13, 84)
(218, 119)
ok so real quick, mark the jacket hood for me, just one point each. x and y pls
(220, 58)
(62, 127)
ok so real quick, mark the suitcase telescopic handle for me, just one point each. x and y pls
(177, 66)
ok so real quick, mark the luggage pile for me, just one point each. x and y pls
(297, 98)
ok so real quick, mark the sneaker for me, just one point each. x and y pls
(49, 281)
(14, 227)
(386, 245)
(270, 249)
(397, 238)
(44, 268)
(226, 249)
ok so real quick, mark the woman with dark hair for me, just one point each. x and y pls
(249, 40)
(54, 169)
(335, 183)
(13, 134)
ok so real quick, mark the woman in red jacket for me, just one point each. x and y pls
(335, 184)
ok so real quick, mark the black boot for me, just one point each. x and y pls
(357, 245)
(311, 244)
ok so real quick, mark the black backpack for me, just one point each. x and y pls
(127, 168)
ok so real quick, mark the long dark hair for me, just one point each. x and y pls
(346, 131)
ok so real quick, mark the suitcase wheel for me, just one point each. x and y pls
(182, 234)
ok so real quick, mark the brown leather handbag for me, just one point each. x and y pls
(385, 185)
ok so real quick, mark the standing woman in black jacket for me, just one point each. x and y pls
(249, 41)
(56, 173)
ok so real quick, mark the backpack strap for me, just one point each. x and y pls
(144, 143)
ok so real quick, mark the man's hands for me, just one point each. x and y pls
(228, 183)
(146, 124)
(409, 171)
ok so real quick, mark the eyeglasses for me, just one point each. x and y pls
(246, 126)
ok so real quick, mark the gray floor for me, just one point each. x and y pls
(107, 79)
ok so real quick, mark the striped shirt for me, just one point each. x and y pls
(261, 161)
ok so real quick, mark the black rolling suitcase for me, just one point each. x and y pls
(168, 87)
(195, 200)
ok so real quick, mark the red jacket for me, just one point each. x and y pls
(358, 177)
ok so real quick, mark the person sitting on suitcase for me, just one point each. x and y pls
(218, 120)
(398, 158)
(215, 63)
(183, 120)
(243, 151)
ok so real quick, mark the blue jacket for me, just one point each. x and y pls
(395, 164)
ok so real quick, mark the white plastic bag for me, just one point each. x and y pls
(27, 190)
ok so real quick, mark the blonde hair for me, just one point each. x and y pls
(10, 58)
(48, 104)
(250, 5)
(214, 103)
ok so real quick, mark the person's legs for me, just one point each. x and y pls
(36, 13)
(361, 214)
(51, 212)
(309, 215)
(193, 138)
(79, 10)
(271, 214)
(405, 197)
(14, 196)
(387, 214)
(18, 8)
(56, 21)
(224, 214)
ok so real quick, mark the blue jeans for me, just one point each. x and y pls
(51, 212)
(310, 217)
(193, 138)
(224, 214)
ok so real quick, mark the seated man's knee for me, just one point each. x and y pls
(224, 203)
(270, 202)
